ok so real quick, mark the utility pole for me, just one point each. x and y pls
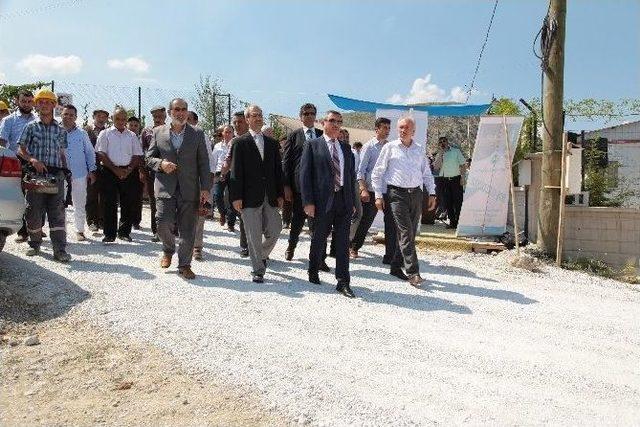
(553, 126)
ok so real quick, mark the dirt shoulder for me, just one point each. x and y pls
(80, 374)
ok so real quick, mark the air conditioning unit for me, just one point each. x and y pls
(578, 199)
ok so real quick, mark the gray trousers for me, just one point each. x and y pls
(53, 205)
(406, 208)
(263, 220)
(183, 212)
(199, 235)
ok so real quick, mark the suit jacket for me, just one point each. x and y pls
(316, 176)
(252, 177)
(291, 157)
(192, 175)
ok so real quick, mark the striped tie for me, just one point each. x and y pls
(335, 160)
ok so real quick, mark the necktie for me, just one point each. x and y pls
(335, 161)
(309, 134)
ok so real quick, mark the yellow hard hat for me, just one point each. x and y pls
(45, 94)
(3, 106)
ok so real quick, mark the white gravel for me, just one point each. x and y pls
(483, 343)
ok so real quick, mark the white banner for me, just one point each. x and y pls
(486, 196)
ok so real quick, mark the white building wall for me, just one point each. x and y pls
(628, 157)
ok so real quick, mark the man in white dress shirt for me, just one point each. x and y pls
(403, 169)
(120, 153)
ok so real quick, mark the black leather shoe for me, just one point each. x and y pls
(244, 253)
(257, 278)
(399, 274)
(314, 278)
(264, 261)
(324, 267)
(125, 238)
(386, 261)
(288, 254)
(345, 290)
(108, 239)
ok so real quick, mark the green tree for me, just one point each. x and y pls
(9, 93)
(206, 87)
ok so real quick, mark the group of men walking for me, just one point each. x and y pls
(317, 173)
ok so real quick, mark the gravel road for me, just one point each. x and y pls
(482, 343)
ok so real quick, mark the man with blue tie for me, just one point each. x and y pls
(327, 183)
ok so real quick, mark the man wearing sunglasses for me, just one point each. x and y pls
(327, 183)
(291, 172)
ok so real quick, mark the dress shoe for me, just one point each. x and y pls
(165, 261)
(187, 273)
(231, 228)
(244, 252)
(288, 254)
(106, 239)
(324, 267)
(416, 280)
(397, 272)
(345, 290)
(136, 227)
(386, 260)
(353, 254)
(125, 238)
(257, 278)
(314, 278)
(155, 238)
(332, 254)
(21, 239)
(80, 237)
(452, 226)
(197, 254)
(93, 227)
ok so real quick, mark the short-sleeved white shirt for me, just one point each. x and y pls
(120, 147)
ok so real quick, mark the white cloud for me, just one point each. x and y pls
(43, 65)
(135, 64)
(423, 90)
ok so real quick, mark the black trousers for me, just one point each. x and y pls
(369, 212)
(94, 207)
(150, 177)
(136, 213)
(338, 218)
(297, 220)
(118, 191)
(452, 195)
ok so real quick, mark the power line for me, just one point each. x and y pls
(486, 39)
(33, 10)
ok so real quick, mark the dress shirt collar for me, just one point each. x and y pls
(326, 138)
(254, 134)
(178, 133)
(306, 130)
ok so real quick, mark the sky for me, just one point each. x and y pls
(281, 54)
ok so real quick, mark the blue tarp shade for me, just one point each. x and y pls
(433, 110)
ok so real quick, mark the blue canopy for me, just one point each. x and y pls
(453, 110)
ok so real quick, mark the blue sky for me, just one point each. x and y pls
(280, 54)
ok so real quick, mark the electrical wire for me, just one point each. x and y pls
(484, 45)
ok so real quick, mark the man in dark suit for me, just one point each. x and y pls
(291, 171)
(327, 182)
(256, 189)
(179, 157)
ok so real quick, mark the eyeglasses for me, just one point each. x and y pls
(335, 121)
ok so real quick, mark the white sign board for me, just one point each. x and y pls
(486, 197)
(421, 118)
(63, 99)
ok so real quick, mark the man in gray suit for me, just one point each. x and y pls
(179, 156)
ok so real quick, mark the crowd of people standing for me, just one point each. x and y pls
(313, 175)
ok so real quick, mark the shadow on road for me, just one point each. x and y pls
(32, 293)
